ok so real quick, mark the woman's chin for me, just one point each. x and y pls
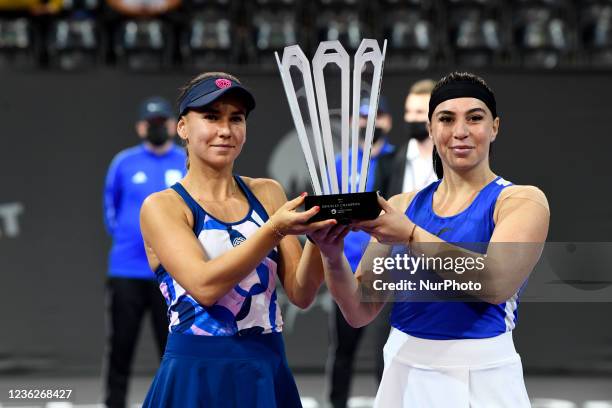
(218, 162)
(462, 165)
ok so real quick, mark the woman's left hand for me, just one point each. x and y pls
(330, 240)
(391, 227)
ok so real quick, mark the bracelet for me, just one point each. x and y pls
(412, 233)
(277, 232)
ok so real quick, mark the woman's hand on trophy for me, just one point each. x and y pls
(330, 239)
(391, 227)
(287, 221)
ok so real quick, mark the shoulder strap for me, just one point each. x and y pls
(195, 208)
(422, 200)
(255, 203)
(492, 191)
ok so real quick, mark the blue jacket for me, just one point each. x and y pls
(134, 174)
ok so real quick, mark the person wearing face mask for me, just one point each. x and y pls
(134, 173)
(410, 168)
(345, 339)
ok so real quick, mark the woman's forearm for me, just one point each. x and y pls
(308, 277)
(346, 291)
(218, 276)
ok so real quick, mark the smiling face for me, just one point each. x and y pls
(462, 130)
(215, 133)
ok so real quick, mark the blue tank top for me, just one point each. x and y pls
(251, 306)
(447, 320)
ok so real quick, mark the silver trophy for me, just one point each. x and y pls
(348, 200)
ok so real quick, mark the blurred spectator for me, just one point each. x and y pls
(410, 167)
(35, 7)
(143, 8)
(144, 32)
(134, 174)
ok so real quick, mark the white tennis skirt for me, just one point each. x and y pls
(476, 373)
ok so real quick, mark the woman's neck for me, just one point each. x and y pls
(455, 183)
(211, 184)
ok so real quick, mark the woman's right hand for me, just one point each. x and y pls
(391, 227)
(287, 221)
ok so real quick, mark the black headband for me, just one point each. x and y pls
(462, 89)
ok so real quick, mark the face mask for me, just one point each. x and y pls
(417, 130)
(157, 134)
(378, 133)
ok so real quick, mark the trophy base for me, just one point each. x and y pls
(344, 207)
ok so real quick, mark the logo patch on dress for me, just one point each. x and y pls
(442, 231)
(503, 182)
(237, 241)
(223, 83)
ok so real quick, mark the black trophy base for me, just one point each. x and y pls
(344, 207)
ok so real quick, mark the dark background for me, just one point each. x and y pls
(60, 131)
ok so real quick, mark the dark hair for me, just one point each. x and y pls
(461, 77)
(446, 80)
(193, 82)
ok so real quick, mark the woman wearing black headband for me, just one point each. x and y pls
(217, 242)
(450, 353)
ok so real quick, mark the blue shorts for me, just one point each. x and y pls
(224, 371)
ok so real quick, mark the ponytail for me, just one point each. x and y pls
(437, 163)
